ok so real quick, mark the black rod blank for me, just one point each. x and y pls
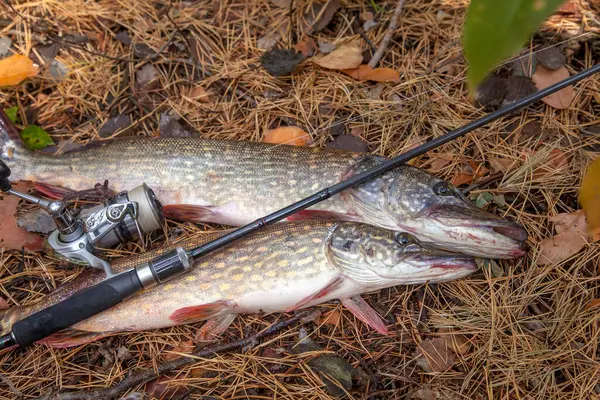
(387, 165)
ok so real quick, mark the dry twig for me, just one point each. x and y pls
(388, 35)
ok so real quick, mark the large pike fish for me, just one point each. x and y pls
(287, 266)
(236, 182)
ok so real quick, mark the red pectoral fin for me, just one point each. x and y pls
(319, 214)
(365, 313)
(72, 337)
(54, 192)
(188, 212)
(334, 283)
(215, 326)
(201, 312)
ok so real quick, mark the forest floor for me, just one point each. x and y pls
(516, 329)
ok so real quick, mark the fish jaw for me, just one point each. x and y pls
(436, 267)
(468, 230)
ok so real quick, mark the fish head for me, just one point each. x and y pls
(409, 199)
(379, 257)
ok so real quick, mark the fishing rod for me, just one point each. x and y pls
(117, 288)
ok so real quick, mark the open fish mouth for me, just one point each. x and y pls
(475, 231)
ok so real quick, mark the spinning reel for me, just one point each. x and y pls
(77, 239)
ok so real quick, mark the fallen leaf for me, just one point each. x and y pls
(320, 14)
(346, 56)
(591, 304)
(441, 161)
(11, 236)
(166, 387)
(366, 73)
(268, 41)
(183, 347)
(13, 114)
(279, 62)
(145, 75)
(349, 143)
(35, 138)
(3, 304)
(556, 159)
(331, 318)
(551, 58)
(462, 178)
(524, 66)
(113, 125)
(58, 70)
(456, 342)
(545, 77)
(15, 69)
(470, 172)
(568, 242)
(291, 135)
(589, 197)
(434, 355)
(38, 221)
(518, 87)
(307, 46)
(169, 126)
(492, 266)
(46, 51)
(491, 92)
(326, 48)
(500, 164)
(200, 94)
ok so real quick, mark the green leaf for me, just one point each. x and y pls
(13, 114)
(496, 29)
(35, 138)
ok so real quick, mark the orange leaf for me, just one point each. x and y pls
(462, 178)
(366, 73)
(306, 46)
(347, 56)
(332, 318)
(183, 347)
(544, 77)
(14, 69)
(200, 94)
(287, 135)
(593, 303)
(589, 197)
(441, 161)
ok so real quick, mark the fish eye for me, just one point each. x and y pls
(442, 189)
(404, 238)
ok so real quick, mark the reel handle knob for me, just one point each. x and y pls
(5, 185)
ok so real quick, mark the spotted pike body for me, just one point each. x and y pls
(287, 266)
(236, 182)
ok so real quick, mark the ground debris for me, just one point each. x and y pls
(280, 62)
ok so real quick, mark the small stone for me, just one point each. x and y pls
(5, 44)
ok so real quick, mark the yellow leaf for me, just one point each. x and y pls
(366, 73)
(589, 197)
(287, 135)
(346, 56)
(14, 69)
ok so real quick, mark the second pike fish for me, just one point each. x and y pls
(235, 183)
(288, 266)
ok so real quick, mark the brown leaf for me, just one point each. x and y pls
(166, 387)
(435, 356)
(291, 135)
(470, 172)
(306, 46)
(556, 159)
(456, 342)
(500, 164)
(441, 161)
(571, 238)
(551, 57)
(14, 69)
(3, 304)
(346, 56)
(349, 143)
(331, 318)
(366, 73)
(11, 236)
(592, 304)
(589, 198)
(545, 77)
(462, 178)
(320, 15)
(200, 94)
